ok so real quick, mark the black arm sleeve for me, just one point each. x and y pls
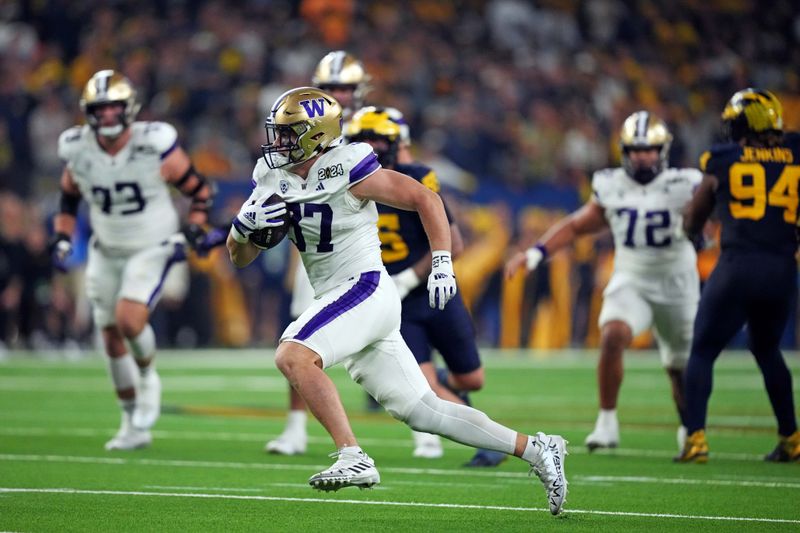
(69, 203)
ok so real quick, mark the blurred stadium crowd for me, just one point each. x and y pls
(514, 103)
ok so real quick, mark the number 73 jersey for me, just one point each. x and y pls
(646, 220)
(129, 202)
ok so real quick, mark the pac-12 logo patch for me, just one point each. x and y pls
(284, 186)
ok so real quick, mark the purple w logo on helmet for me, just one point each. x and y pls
(314, 107)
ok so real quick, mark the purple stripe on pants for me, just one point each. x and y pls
(359, 292)
(177, 256)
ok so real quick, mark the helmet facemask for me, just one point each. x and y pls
(644, 174)
(94, 120)
(283, 147)
(386, 157)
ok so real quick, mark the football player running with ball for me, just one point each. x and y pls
(123, 169)
(752, 181)
(655, 281)
(330, 190)
(344, 77)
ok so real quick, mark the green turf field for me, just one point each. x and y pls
(206, 470)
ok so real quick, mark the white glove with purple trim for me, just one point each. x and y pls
(442, 281)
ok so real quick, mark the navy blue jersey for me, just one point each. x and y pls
(757, 194)
(403, 238)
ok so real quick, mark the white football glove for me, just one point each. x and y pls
(406, 281)
(442, 281)
(255, 215)
(60, 251)
(533, 256)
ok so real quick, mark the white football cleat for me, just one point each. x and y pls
(351, 469)
(128, 437)
(427, 445)
(288, 443)
(148, 401)
(548, 465)
(605, 435)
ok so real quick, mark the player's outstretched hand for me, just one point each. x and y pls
(530, 258)
(60, 250)
(257, 214)
(195, 234)
(442, 281)
(208, 240)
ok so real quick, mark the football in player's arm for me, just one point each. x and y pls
(751, 180)
(655, 282)
(121, 168)
(330, 191)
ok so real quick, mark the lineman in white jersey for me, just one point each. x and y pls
(122, 169)
(330, 191)
(343, 76)
(655, 281)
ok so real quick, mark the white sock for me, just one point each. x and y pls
(296, 421)
(124, 372)
(531, 452)
(351, 450)
(607, 418)
(144, 344)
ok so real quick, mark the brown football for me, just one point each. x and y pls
(269, 237)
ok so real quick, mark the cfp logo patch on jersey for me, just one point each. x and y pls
(314, 107)
(284, 185)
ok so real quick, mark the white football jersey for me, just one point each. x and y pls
(646, 220)
(336, 233)
(129, 201)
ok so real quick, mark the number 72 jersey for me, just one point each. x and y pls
(646, 220)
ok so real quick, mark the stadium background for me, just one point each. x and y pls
(513, 103)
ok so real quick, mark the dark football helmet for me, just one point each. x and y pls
(375, 123)
(752, 114)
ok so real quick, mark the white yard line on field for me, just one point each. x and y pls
(228, 436)
(72, 491)
(262, 359)
(493, 474)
